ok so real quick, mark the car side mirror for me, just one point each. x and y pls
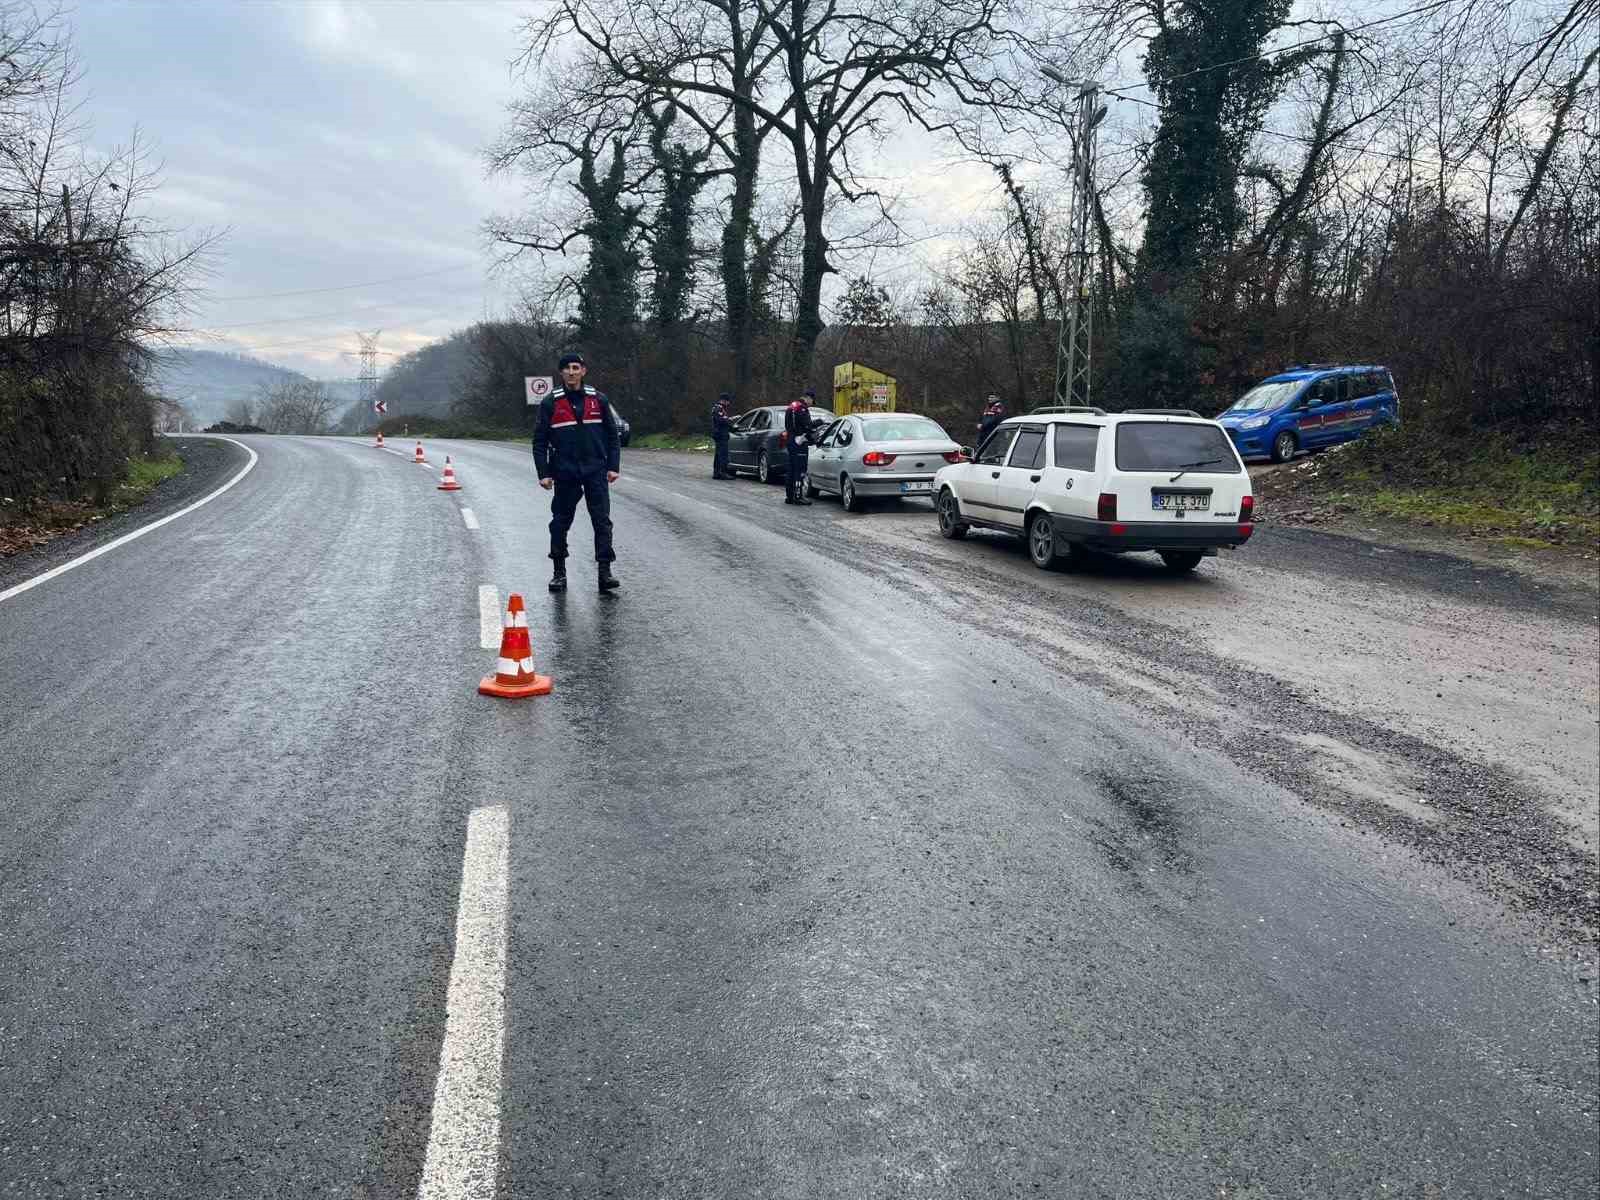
(969, 452)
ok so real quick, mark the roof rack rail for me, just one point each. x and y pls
(1161, 412)
(1050, 409)
(1311, 366)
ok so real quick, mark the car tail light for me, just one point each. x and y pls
(1247, 508)
(954, 456)
(1107, 508)
(1246, 530)
(877, 458)
(783, 440)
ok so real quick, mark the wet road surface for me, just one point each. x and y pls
(843, 861)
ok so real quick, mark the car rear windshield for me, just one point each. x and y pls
(1265, 396)
(1173, 446)
(903, 429)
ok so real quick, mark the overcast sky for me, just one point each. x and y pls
(336, 144)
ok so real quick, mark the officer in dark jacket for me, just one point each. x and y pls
(577, 450)
(721, 426)
(797, 423)
(993, 413)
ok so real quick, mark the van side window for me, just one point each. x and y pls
(1075, 446)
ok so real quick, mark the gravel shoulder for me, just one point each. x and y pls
(207, 464)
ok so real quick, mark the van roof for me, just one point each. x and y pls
(1313, 370)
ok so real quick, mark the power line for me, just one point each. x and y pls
(348, 287)
(1234, 62)
(342, 312)
(1363, 150)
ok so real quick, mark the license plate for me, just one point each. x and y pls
(1176, 500)
(919, 485)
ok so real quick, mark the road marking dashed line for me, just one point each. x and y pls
(469, 518)
(463, 1155)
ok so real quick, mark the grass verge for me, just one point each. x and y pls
(1532, 492)
(40, 523)
(692, 443)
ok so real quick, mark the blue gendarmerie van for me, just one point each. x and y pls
(1310, 406)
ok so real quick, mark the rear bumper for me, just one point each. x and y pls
(1152, 535)
(889, 485)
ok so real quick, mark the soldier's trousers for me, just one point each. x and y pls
(596, 493)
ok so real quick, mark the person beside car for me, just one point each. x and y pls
(721, 427)
(993, 413)
(799, 425)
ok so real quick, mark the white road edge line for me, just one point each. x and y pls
(463, 1156)
(137, 533)
(489, 620)
(470, 518)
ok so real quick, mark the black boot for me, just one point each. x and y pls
(800, 496)
(788, 492)
(608, 581)
(558, 581)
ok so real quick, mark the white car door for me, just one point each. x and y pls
(1020, 475)
(978, 497)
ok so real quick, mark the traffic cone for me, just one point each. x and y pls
(514, 677)
(419, 458)
(447, 482)
(379, 442)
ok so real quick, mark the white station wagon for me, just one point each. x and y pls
(1071, 480)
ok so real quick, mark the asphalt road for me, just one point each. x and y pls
(842, 862)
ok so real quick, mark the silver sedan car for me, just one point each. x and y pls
(879, 454)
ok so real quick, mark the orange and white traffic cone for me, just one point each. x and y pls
(419, 457)
(447, 482)
(379, 442)
(514, 676)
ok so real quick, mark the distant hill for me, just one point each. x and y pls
(206, 382)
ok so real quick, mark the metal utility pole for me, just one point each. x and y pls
(1074, 338)
(368, 378)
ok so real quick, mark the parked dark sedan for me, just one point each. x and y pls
(758, 443)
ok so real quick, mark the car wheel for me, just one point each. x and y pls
(1283, 447)
(763, 468)
(847, 495)
(1043, 546)
(950, 523)
(1181, 561)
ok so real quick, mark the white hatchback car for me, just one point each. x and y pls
(1072, 480)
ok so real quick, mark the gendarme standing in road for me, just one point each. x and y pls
(577, 451)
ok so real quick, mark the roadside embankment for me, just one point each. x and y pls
(178, 472)
(1500, 497)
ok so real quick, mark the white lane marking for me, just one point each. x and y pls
(137, 533)
(468, 516)
(463, 1156)
(488, 617)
